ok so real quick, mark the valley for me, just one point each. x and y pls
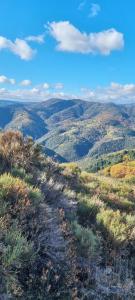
(73, 130)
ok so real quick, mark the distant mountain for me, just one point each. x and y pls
(71, 130)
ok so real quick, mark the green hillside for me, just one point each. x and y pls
(97, 162)
(64, 234)
(73, 129)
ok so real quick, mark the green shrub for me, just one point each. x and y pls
(88, 207)
(130, 179)
(114, 223)
(124, 190)
(21, 173)
(15, 150)
(71, 168)
(18, 250)
(88, 241)
(17, 193)
(35, 195)
(86, 177)
(130, 219)
(18, 204)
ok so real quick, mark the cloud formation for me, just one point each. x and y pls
(94, 10)
(46, 86)
(36, 38)
(19, 47)
(57, 86)
(4, 79)
(71, 39)
(26, 82)
(34, 94)
(115, 92)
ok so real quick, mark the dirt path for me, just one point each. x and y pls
(52, 237)
(56, 238)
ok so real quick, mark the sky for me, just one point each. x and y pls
(67, 49)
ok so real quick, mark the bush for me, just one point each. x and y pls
(130, 220)
(15, 150)
(18, 250)
(114, 223)
(21, 173)
(86, 177)
(122, 170)
(130, 179)
(124, 189)
(106, 171)
(16, 193)
(88, 208)
(18, 209)
(71, 168)
(88, 242)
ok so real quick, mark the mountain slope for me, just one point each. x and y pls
(73, 129)
(65, 234)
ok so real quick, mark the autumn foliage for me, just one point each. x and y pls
(121, 170)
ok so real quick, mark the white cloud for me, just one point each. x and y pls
(59, 86)
(94, 10)
(46, 86)
(34, 94)
(19, 47)
(4, 79)
(56, 86)
(36, 38)
(70, 39)
(115, 92)
(26, 82)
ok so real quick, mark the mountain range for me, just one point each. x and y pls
(72, 130)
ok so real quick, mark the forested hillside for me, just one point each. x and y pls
(99, 162)
(72, 130)
(65, 234)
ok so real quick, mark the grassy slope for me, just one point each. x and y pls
(107, 206)
(65, 233)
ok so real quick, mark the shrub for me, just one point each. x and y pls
(86, 238)
(18, 250)
(69, 193)
(17, 255)
(18, 203)
(15, 150)
(88, 208)
(92, 185)
(114, 223)
(71, 168)
(123, 169)
(124, 190)
(86, 177)
(106, 171)
(21, 173)
(105, 186)
(14, 191)
(130, 220)
(130, 179)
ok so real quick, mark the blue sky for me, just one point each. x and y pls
(74, 48)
